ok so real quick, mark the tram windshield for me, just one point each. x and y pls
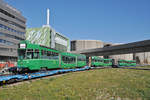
(21, 54)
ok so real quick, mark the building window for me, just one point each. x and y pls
(4, 49)
(10, 36)
(12, 16)
(11, 30)
(12, 23)
(73, 45)
(7, 42)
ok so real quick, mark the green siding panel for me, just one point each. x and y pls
(40, 36)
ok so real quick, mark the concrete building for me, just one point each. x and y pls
(142, 58)
(121, 56)
(77, 45)
(12, 30)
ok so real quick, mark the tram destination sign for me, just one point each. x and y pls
(23, 46)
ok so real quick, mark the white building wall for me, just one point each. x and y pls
(143, 58)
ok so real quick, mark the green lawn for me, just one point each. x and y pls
(140, 67)
(100, 84)
(143, 67)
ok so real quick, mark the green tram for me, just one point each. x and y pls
(126, 62)
(98, 61)
(107, 62)
(37, 57)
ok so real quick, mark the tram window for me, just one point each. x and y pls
(67, 59)
(29, 55)
(74, 59)
(55, 55)
(36, 55)
(48, 55)
(120, 61)
(51, 55)
(101, 60)
(29, 50)
(71, 60)
(44, 54)
(82, 59)
(95, 60)
(106, 61)
(79, 59)
(36, 50)
(64, 59)
(92, 60)
(21, 54)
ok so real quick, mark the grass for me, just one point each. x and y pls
(143, 66)
(148, 66)
(101, 84)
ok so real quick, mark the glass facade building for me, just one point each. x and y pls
(12, 30)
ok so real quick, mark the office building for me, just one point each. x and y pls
(12, 30)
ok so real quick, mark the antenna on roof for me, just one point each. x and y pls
(47, 17)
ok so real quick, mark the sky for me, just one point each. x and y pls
(115, 21)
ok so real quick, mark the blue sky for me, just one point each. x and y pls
(116, 21)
